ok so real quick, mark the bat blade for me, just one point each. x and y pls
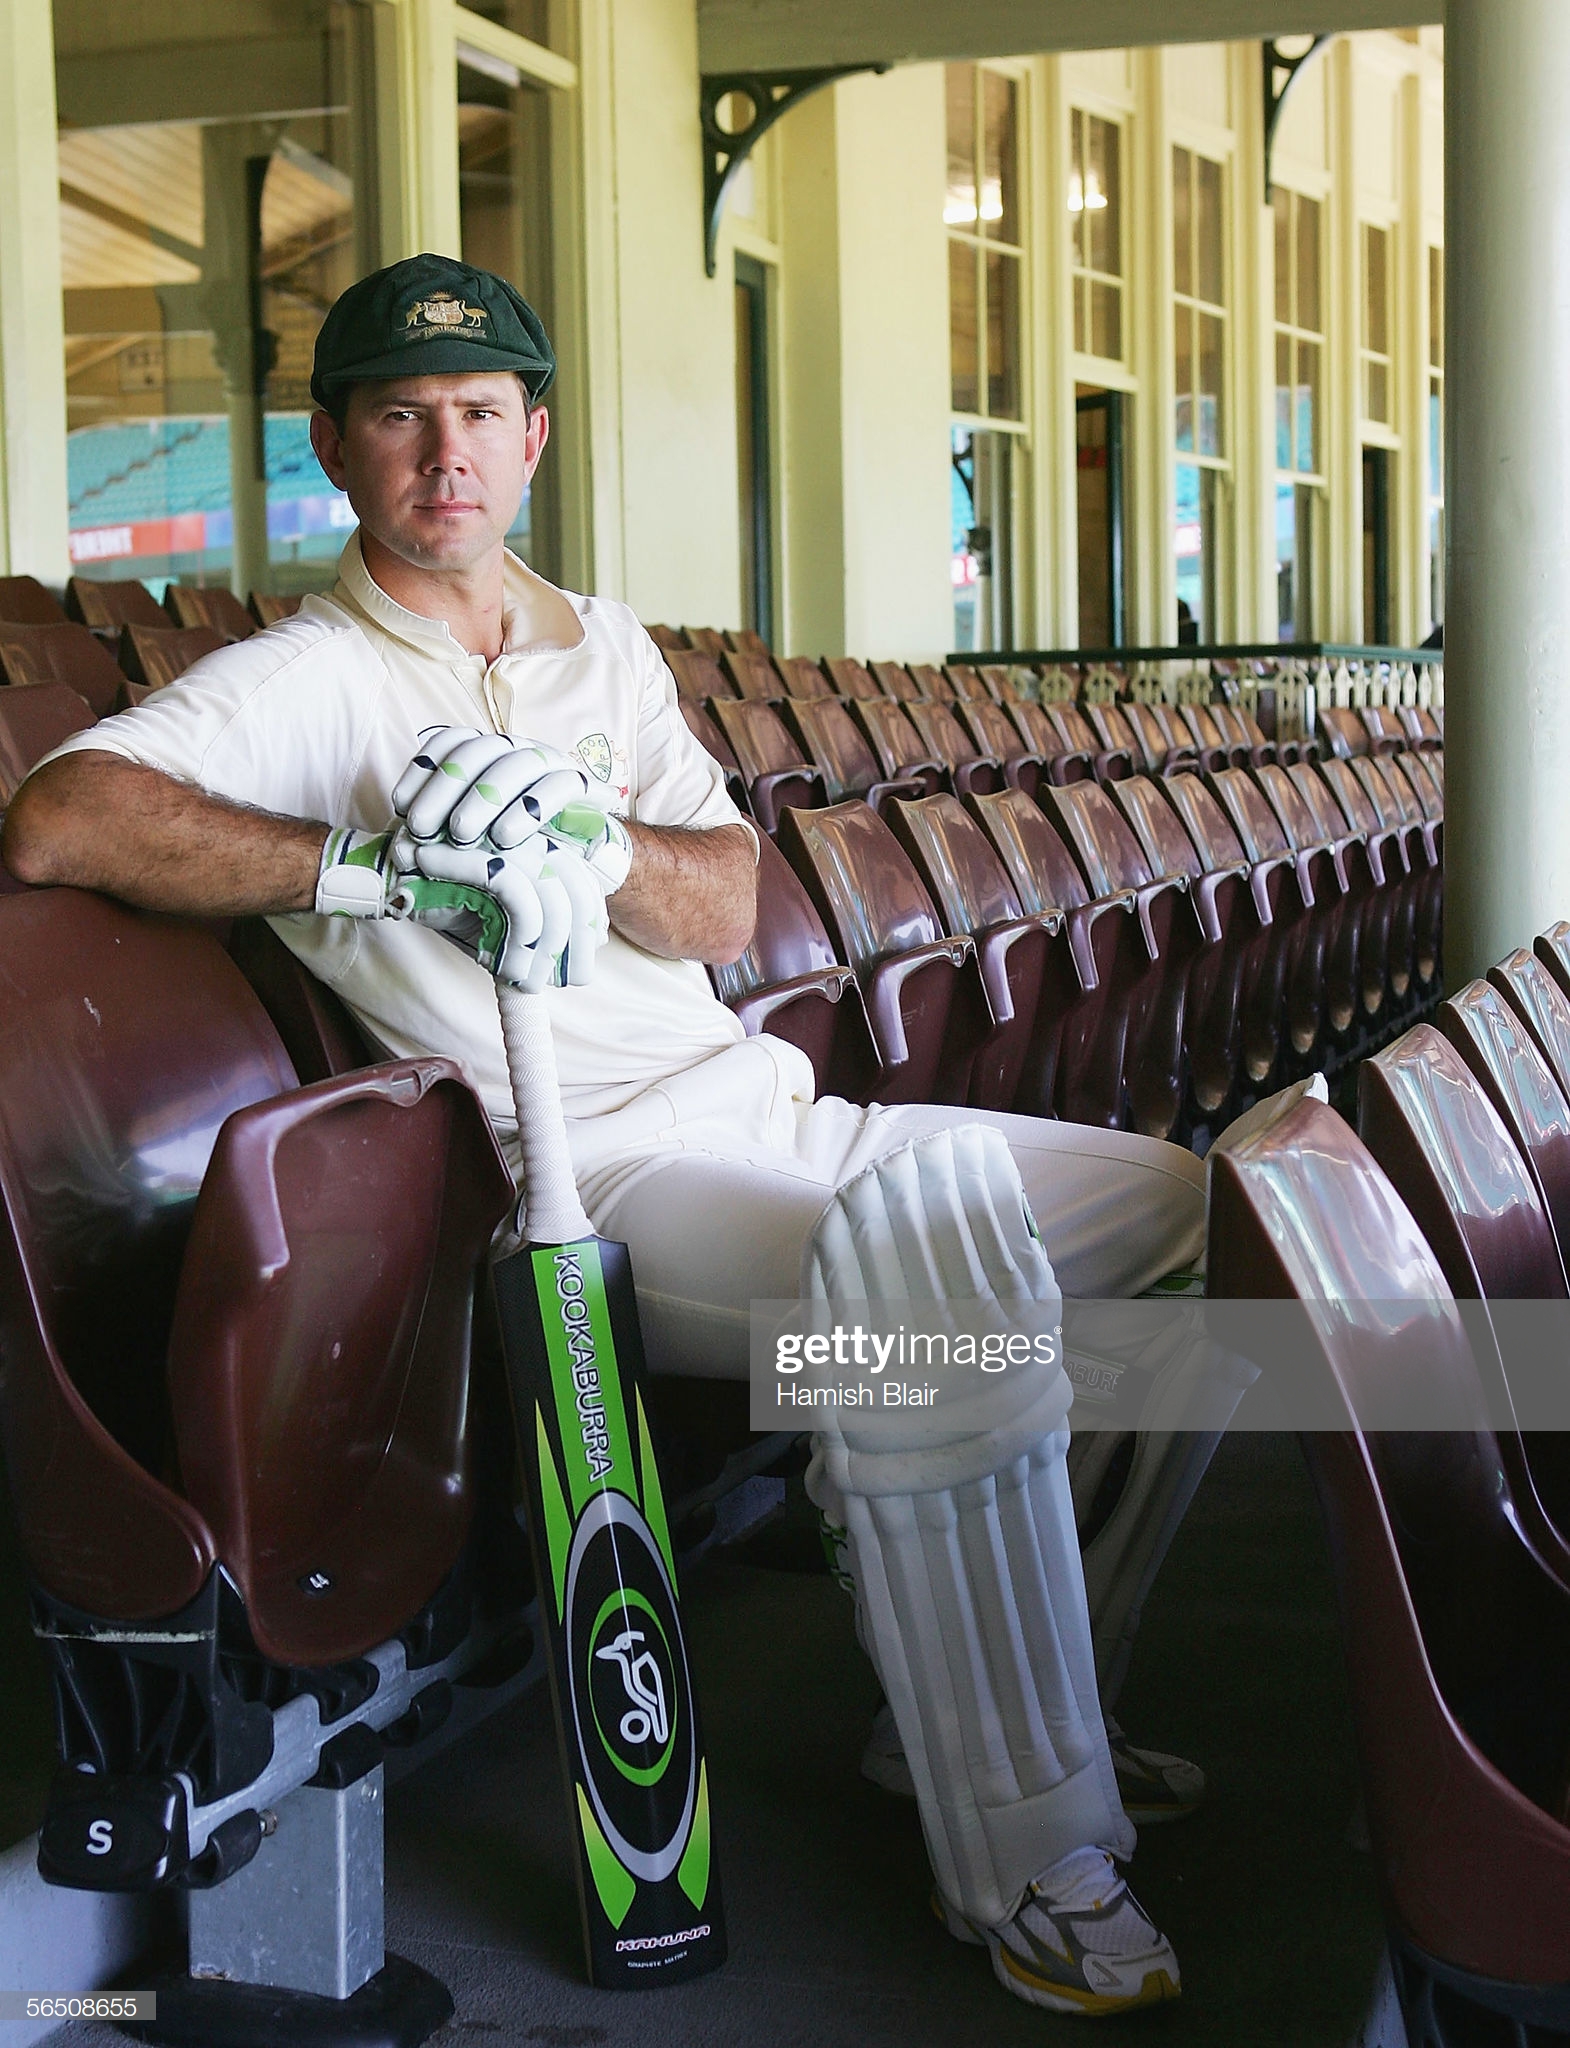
(626, 1711)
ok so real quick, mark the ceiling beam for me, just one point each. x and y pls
(774, 35)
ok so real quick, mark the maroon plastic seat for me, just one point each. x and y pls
(1113, 969)
(66, 654)
(1230, 926)
(996, 736)
(1553, 949)
(840, 751)
(718, 747)
(707, 640)
(1144, 731)
(748, 640)
(901, 755)
(1044, 740)
(1341, 732)
(969, 770)
(1027, 968)
(106, 607)
(1541, 1003)
(922, 989)
(1420, 726)
(35, 718)
(1396, 804)
(769, 758)
(1001, 684)
(1455, 1632)
(668, 639)
(302, 1262)
(1372, 886)
(754, 675)
(319, 1035)
(1212, 746)
(895, 681)
(25, 602)
(1077, 735)
(803, 678)
(968, 684)
(1247, 750)
(1389, 858)
(790, 983)
(1112, 861)
(151, 657)
(210, 606)
(852, 679)
(699, 677)
(1414, 768)
(1386, 734)
(269, 607)
(1323, 985)
(1492, 1038)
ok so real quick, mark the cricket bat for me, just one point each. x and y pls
(626, 1716)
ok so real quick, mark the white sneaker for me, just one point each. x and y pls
(1080, 1943)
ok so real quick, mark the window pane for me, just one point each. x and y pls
(1283, 401)
(200, 255)
(1378, 392)
(1207, 236)
(1376, 317)
(1286, 562)
(529, 18)
(999, 171)
(1193, 547)
(1106, 321)
(1002, 334)
(1182, 222)
(1081, 314)
(1307, 407)
(1281, 207)
(1308, 314)
(964, 338)
(1436, 440)
(959, 203)
(1103, 200)
(1183, 376)
(1076, 183)
(1211, 332)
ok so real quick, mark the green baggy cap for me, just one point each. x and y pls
(430, 316)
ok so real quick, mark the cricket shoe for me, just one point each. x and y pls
(1080, 1942)
(1153, 1786)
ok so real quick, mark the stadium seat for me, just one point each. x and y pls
(754, 675)
(932, 682)
(969, 771)
(106, 607)
(1324, 980)
(1001, 682)
(25, 602)
(1342, 733)
(212, 606)
(68, 654)
(1247, 750)
(668, 639)
(1043, 739)
(1372, 886)
(968, 684)
(699, 677)
(1210, 743)
(319, 1036)
(1386, 734)
(840, 751)
(1027, 968)
(1077, 736)
(1541, 1003)
(1230, 924)
(706, 640)
(851, 679)
(769, 758)
(178, 1217)
(1396, 802)
(996, 735)
(1421, 727)
(748, 640)
(898, 746)
(1142, 730)
(894, 681)
(790, 983)
(803, 678)
(268, 607)
(1398, 884)
(153, 656)
(1113, 967)
(1112, 862)
(35, 718)
(1493, 1039)
(1553, 949)
(922, 989)
(714, 742)
(1457, 1634)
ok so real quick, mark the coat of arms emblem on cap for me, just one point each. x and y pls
(445, 313)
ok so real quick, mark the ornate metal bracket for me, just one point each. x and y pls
(1280, 77)
(770, 94)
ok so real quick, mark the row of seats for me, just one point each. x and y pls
(1450, 1531)
(1151, 955)
(1346, 731)
(105, 606)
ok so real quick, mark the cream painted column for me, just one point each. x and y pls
(1507, 332)
(33, 502)
(427, 49)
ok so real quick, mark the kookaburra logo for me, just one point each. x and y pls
(646, 1719)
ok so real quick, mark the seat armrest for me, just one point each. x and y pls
(1059, 765)
(1024, 771)
(1149, 893)
(1259, 882)
(1205, 889)
(755, 1010)
(979, 777)
(1105, 760)
(769, 794)
(880, 793)
(1082, 922)
(993, 947)
(883, 985)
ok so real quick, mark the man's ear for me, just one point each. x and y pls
(328, 443)
(539, 434)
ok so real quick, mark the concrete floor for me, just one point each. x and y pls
(1271, 1908)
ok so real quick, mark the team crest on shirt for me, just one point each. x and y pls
(595, 754)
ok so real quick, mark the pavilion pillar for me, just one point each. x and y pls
(1507, 478)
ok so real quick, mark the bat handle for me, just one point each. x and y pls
(553, 1211)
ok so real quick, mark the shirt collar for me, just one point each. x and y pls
(523, 592)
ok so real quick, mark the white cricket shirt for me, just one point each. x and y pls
(318, 717)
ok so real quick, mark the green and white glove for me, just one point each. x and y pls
(360, 872)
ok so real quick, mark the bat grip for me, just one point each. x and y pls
(553, 1212)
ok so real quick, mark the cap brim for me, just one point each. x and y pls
(445, 356)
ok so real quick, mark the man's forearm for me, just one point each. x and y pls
(689, 895)
(93, 820)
